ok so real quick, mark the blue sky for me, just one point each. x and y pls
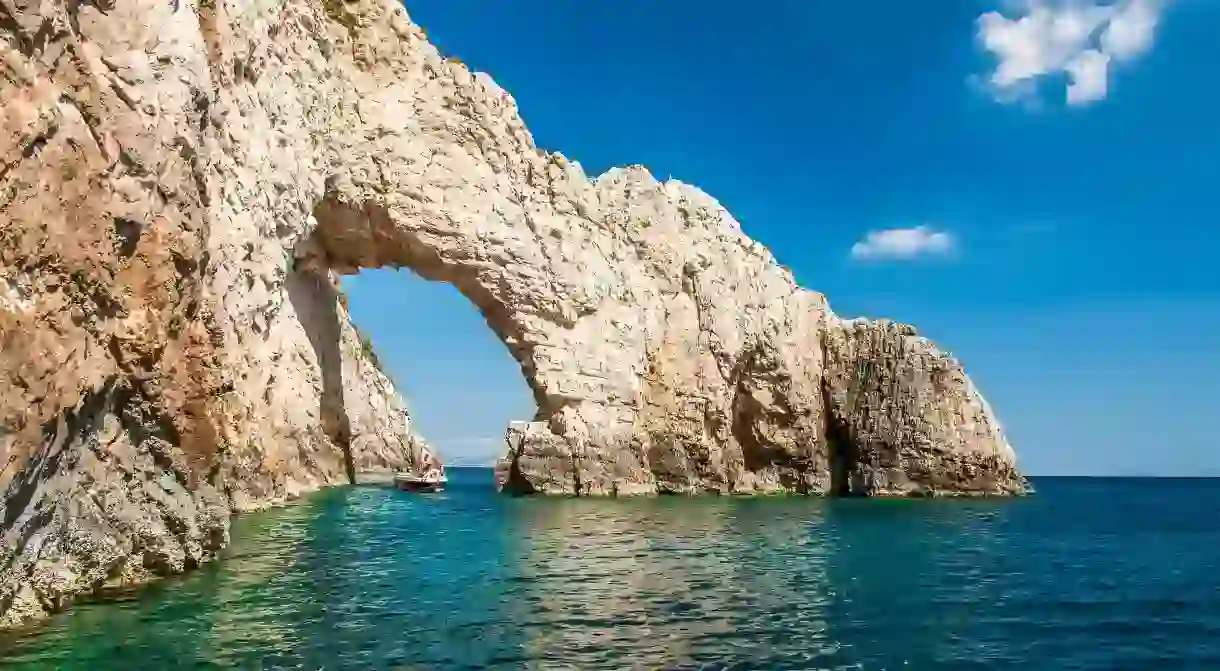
(1032, 184)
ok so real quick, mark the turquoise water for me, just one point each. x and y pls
(1089, 574)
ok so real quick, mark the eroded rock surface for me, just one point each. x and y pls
(181, 183)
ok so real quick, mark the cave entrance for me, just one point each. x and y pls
(842, 458)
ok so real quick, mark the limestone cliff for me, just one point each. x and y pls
(182, 182)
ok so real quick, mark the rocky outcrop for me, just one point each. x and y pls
(181, 184)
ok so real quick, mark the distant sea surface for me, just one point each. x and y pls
(1088, 574)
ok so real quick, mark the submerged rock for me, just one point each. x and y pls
(182, 184)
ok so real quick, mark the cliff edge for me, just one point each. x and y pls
(182, 183)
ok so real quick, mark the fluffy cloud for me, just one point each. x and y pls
(1082, 39)
(1088, 72)
(902, 244)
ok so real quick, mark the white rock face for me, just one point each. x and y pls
(180, 186)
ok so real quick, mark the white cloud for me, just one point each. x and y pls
(903, 244)
(1131, 29)
(1088, 75)
(1081, 39)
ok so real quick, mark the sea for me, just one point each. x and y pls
(1090, 573)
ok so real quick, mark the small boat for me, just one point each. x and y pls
(429, 482)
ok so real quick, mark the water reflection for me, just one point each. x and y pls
(252, 609)
(784, 555)
(633, 575)
(675, 583)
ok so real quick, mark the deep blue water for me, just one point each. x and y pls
(1088, 574)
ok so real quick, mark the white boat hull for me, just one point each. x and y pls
(413, 483)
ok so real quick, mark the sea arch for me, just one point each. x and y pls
(667, 352)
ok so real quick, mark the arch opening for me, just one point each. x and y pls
(447, 362)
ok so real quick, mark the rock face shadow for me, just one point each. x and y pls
(315, 300)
